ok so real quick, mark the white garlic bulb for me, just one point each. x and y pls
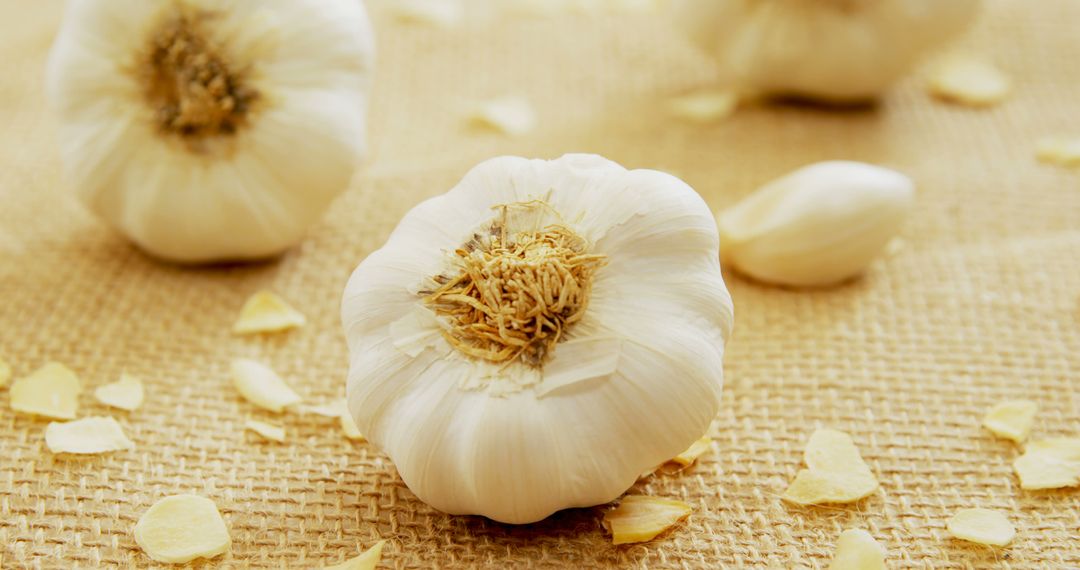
(539, 336)
(833, 50)
(210, 130)
(819, 225)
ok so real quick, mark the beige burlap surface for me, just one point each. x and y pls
(980, 305)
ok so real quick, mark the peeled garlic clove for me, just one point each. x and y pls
(368, 560)
(982, 526)
(819, 225)
(639, 518)
(126, 393)
(209, 131)
(856, 549)
(1011, 419)
(51, 391)
(838, 52)
(86, 436)
(261, 386)
(181, 528)
(1049, 464)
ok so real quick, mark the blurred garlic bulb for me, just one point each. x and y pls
(540, 335)
(819, 225)
(211, 130)
(832, 50)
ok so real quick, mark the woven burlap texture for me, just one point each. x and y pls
(979, 305)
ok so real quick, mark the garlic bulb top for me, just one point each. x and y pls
(540, 335)
(211, 130)
(833, 50)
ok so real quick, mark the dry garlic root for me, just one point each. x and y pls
(639, 518)
(982, 526)
(1049, 464)
(51, 391)
(499, 310)
(856, 549)
(817, 226)
(261, 386)
(836, 51)
(86, 436)
(969, 81)
(368, 560)
(210, 131)
(836, 472)
(1011, 419)
(265, 312)
(181, 528)
(1059, 150)
(126, 393)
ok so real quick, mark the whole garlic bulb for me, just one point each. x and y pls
(540, 335)
(210, 130)
(833, 50)
(819, 225)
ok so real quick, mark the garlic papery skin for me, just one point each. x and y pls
(634, 377)
(819, 225)
(209, 130)
(839, 51)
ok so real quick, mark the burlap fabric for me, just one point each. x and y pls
(980, 305)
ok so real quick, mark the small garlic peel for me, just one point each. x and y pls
(626, 373)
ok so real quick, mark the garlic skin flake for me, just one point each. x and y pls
(86, 436)
(839, 51)
(856, 549)
(982, 526)
(261, 386)
(51, 391)
(181, 528)
(1011, 419)
(126, 393)
(817, 226)
(626, 268)
(513, 116)
(209, 131)
(1049, 464)
(640, 518)
(969, 80)
(265, 312)
(367, 560)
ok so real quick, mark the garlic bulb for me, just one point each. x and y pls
(540, 335)
(211, 130)
(819, 225)
(833, 50)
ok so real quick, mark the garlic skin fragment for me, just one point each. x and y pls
(265, 430)
(86, 436)
(504, 439)
(838, 51)
(981, 526)
(367, 560)
(210, 131)
(265, 312)
(970, 81)
(640, 518)
(510, 115)
(817, 226)
(856, 549)
(261, 386)
(51, 391)
(1011, 419)
(1049, 464)
(181, 528)
(126, 393)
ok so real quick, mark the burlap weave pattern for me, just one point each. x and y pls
(980, 305)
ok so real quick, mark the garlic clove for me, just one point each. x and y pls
(856, 549)
(969, 81)
(817, 226)
(181, 528)
(981, 526)
(86, 436)
(266, 312)
(1049, 464)
(1011, 419)
(640, 518)
(51, 391)
(367, 560)
(261, 386)
(126, 393)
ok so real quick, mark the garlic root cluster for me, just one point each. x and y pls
(840, 51)
(209, 131)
